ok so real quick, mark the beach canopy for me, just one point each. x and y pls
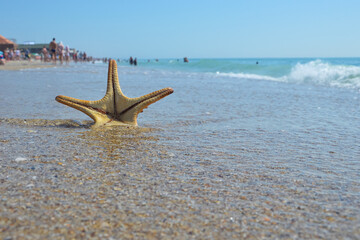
(6, 43)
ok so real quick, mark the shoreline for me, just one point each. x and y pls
(22, 64)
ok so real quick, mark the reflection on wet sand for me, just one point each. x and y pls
(111, 142)
(119, 142)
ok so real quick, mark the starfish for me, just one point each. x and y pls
(114, 108)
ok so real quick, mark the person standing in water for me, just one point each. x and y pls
(67, 54)
(45, 54)
(61, 52)
(53, 47)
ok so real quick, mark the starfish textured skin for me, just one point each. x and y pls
(114, 108)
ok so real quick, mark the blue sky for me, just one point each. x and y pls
(192, 28)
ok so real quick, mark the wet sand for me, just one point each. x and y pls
(62, 180)
(19, 65)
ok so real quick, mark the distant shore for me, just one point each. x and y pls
(22, 64)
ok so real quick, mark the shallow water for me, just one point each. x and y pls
(221, 157)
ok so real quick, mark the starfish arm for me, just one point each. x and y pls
(113, 85)
(137, 105)
(90, 108)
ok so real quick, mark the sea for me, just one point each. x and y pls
(281, 136)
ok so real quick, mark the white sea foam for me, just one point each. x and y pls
(322, 73)
(248, 76)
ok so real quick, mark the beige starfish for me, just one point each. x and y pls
(114, 108)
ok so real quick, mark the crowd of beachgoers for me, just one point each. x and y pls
(52, 53)
(55, 52)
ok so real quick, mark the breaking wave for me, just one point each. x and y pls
(314, 72)
(323, 73)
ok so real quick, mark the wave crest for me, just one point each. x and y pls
(322, 73)
(314, 72)
(248, 76)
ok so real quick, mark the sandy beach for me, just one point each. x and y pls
(69, 182)
(22, 64)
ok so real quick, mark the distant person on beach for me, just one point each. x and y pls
(11, 54)
(186, 60)
(53, 47)
(75, 56)
(6, 54)
(135, 62)
(131, 61)
(67, 54)
(60, 50)
(27, 54)
(17, 54)
(45, 54)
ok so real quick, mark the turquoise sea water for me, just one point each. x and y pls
(340, 72)
(283, 131)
